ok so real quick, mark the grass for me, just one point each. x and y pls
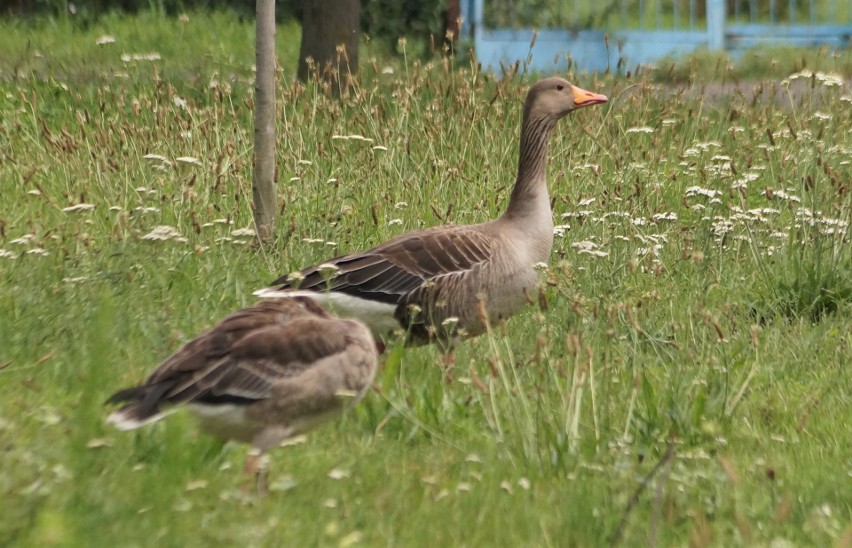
(663, 389)
(758, 63)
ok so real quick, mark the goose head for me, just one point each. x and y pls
(553, 98)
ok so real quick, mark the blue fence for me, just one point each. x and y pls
(601, 34)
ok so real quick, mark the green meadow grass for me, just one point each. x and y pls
(682, 378)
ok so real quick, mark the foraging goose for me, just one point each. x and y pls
(262, 375)
(433, 280)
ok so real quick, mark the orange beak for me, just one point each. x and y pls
(583, 98)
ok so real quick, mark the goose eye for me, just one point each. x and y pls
(560, 87)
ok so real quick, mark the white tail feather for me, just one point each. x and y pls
(121, 419)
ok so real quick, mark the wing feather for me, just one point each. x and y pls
(243, 357)
(391, 271)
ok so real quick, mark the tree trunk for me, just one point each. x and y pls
(452, 20)
(327, 25)
(263, 188)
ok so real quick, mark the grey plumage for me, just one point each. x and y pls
(422, 280)
(261, 375)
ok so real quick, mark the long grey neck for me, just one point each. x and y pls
(530, 196)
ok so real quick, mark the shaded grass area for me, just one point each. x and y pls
(758, 63)
(190, 49)
(664, 332)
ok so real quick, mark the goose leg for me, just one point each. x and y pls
(256, 471)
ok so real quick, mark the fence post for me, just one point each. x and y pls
(477, 19)
(716, 24)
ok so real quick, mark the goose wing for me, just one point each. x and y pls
(389, 272)
(242, 358)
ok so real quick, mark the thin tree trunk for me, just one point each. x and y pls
(452, 21)
(327, 25)
(263, 189)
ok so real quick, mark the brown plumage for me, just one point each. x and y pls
(262, 375)
(433, 281)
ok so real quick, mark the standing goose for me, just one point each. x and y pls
(262, 375)
(429, 280)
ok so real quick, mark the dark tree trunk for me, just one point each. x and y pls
(263, 188)
(452, 20)
(326, 26)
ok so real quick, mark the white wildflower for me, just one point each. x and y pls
(640, 129)
(394, 222)
(295, 277)
(23, 240)
(669, 216)
(380, 147)
(243, 232)
(586, 202)
(585, 245)
(188, 160)
(698, 191)
(827, 79)
(157, 158)
(450, 322)
(589, 248)
(338, 474)
(128, 57)
(163, 233)
(4, 254)
(351, 138)
(782, 195)
(559, 230)
(37, 251)
(105, 39)
(328, 269)
(707, 145)
(78, 207)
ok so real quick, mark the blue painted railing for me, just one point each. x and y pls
(620, 35)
